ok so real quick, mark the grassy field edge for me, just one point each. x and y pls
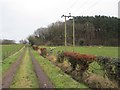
(6, 64)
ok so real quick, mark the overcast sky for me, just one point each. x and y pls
(20, 18)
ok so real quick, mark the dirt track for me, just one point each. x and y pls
(44, 81)
(8, 76)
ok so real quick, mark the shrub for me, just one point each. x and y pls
(82, 60)
(111, 67)
(35, 47)
(43, 52)
(60, 57)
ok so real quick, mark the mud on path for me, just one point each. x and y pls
(43, 79)
(8, 76)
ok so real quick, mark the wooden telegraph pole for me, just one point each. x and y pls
(73, 28)
(73, 31)
(66, 29)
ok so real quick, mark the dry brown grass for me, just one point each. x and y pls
(52, 58)
(39, 51)
(96, 81)
(65, 64)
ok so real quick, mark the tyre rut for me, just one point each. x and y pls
(43, 79)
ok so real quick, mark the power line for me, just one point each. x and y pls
(83, 5)
(89, 8)
(71, 6)
(108, 10)
(82, 8)
(115, 4)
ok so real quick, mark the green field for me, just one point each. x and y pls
(93, 50)
(8, 50)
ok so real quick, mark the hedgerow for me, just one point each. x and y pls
(111, 67)
(80, 63)
(75, 59)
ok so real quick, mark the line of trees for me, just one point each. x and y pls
(97, 30)
(6, 41)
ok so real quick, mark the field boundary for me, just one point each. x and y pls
(16, 52)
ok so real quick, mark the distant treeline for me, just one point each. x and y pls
(6, 41)
(97, 30)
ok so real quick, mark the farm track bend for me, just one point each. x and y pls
(8, 76)
(43, 79)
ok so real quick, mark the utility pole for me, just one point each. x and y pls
(65, 32)
(73, 31)
(65, 29)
